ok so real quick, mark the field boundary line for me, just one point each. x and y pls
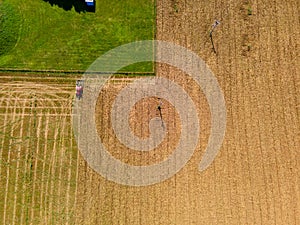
(37, 77)
(12, 70)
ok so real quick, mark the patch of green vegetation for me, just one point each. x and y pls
(249, 10)
(176, 9)
(54, 38)
(9, 27)
(249, 47)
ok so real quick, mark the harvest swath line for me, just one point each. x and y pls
(29, 166)
(4, 131)
(24, 194)
(17, 168)
(44, 166)
(35, 165)
(51, 171)
(8, 172)
(60, 157)
(69, 180)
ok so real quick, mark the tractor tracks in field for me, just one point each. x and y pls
(29, 105)
(37, 143)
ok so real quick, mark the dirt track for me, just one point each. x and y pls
(254, 178)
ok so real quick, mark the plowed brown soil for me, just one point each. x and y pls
(255, 177)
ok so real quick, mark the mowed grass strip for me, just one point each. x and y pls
(50, 37)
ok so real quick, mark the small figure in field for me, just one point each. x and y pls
(215, 24)
(159, 106)
(160, 113)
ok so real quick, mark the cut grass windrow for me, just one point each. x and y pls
(18, 169)
(7, 189)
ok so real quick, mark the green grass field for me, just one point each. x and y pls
(38, 35)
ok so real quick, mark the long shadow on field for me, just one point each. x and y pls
(79, 5)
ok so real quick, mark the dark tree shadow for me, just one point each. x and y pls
(79, 5)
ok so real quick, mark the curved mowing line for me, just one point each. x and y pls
(34, 94)
(9, 95)
(37, 96)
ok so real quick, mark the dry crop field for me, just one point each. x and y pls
(253, 180)
(255, 177)
(38, 158)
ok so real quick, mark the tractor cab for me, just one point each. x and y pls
(90, 2)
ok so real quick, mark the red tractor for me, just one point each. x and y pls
(79, 89)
